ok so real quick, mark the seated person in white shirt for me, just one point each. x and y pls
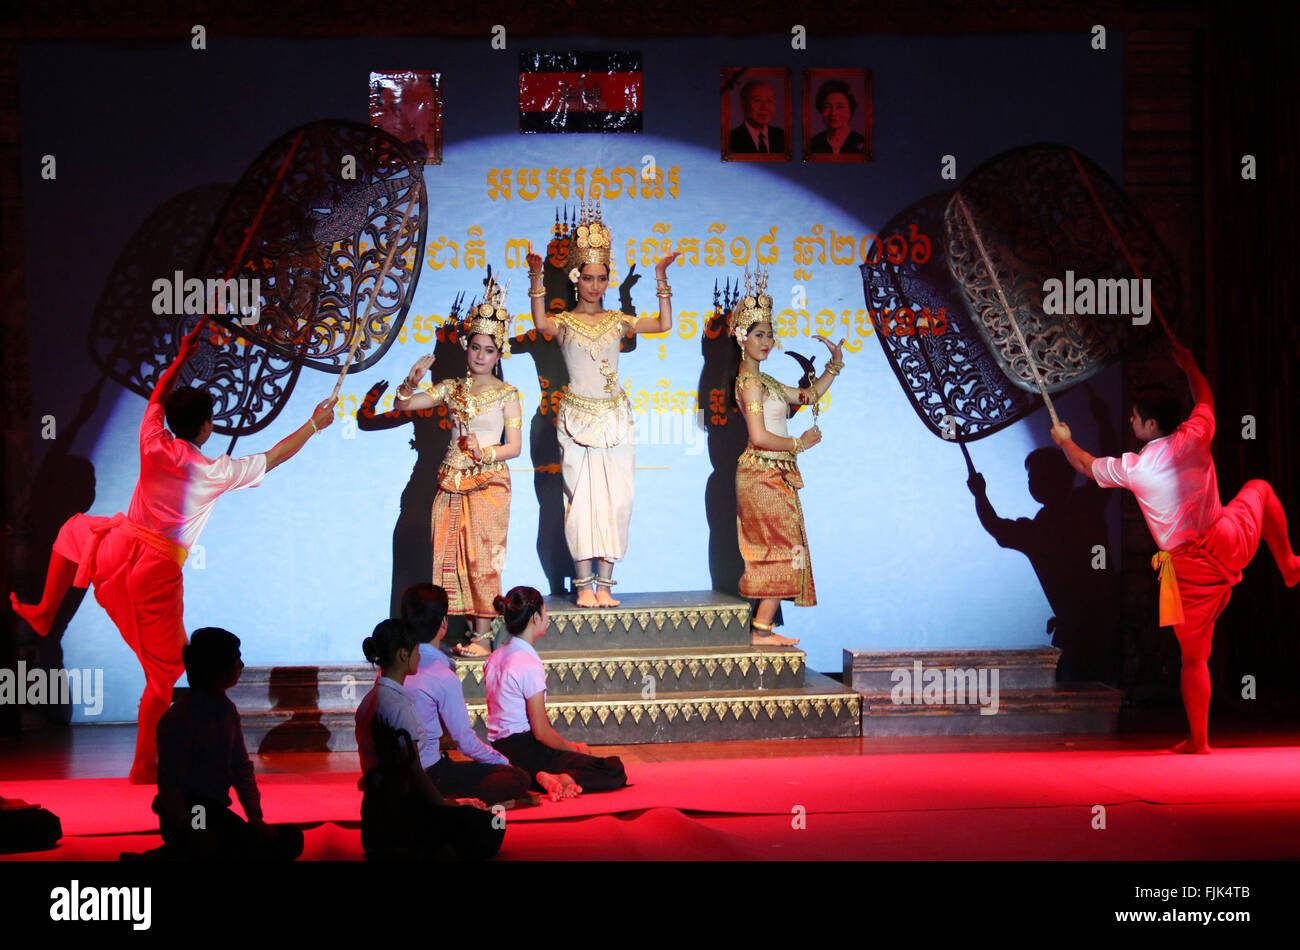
(134, 560)
(402, 809)
(517, 721)
(440, 702)
(1204, 545)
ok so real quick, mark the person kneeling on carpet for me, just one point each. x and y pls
(440, 701)
(517, 723)
(201, 754)
(402, 812)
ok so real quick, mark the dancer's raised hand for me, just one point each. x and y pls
(418, 370)
(837, 349)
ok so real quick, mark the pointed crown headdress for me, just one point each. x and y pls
(488, 316)
(754, 307)
(590, 242)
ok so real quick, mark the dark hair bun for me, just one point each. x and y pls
(518, 607)
(500, 604)
(368, 648)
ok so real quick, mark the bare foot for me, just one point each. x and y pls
(32, 614)
(553, 785)
(1187, 748)
(771, 639)
(143, 775)
(586, 598)
(571, 789)
(1291, 577)
(473, 648)
(603, 599)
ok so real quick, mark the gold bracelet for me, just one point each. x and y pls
(834, 368)
(798, 445)
(489, 454)
(314, 430)
(534, 273)
(665, 294)
(539, 292)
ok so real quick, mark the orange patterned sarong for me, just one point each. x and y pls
(470, 518)
(769, 522)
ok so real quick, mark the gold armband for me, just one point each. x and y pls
(753, 405)
(539, 292)
(516, 423)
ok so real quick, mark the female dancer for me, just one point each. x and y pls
(401, 803)
(471, 513)
(518, 726)
(773, 541)
(594, 421)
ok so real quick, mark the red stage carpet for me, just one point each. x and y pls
(1236, 804)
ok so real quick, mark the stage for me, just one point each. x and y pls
(999, 798)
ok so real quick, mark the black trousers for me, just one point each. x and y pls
(406, 825)
(593, 773)
(227, 837)
(488, 783)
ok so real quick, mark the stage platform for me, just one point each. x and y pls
(967, 798)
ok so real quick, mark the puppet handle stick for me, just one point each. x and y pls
(1029, 357)
(1119, 240)
(374, 291)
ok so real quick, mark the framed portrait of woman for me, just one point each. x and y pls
(756, 115)
(837, 115)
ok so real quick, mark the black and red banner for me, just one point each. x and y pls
(579, 91)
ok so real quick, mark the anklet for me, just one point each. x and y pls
(605, 581)
(761, 627)
(583, 581)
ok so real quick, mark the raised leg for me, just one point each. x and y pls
(58, 579)
(1275, 534)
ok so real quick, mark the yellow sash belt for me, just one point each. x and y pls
(1171, 601)
(164, 545)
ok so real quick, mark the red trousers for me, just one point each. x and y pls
(1209, 567)
(141, 590)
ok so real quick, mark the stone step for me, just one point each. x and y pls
(694, 669)
(874, 671)
(1068, 708)
(644, 621)
(820, 708)
(567, 673)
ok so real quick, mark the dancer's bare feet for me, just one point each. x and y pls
(552, 784)
(33, 614)
(587, 598)
(1186, 747)
(771, 639)
(569, 788)
(603, 598)
(472, 648)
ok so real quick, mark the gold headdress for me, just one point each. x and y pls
(488, 316)
(754, 307)
(590, 242)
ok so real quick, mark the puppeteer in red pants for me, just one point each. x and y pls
(1204, 545)
(135, 560)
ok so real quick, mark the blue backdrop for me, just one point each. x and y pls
(300, 567)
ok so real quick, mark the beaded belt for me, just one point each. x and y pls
(593, 406)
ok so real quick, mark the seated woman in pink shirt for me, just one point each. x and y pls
(518, 727)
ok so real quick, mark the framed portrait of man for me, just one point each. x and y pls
(837, 115)
(756, 115)
(408, 105)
